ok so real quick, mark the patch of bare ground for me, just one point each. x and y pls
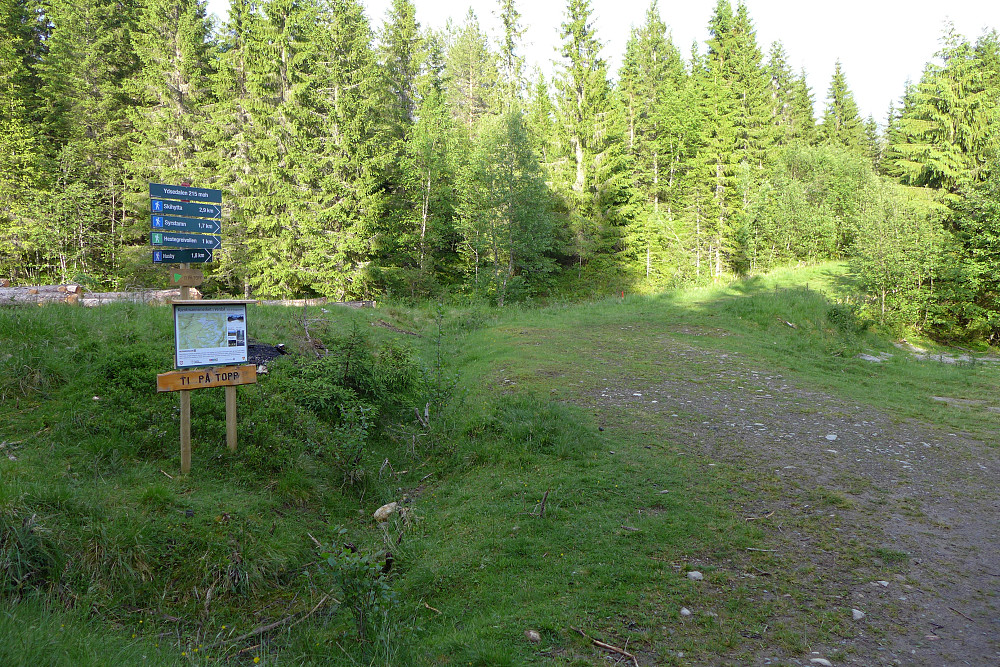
(896, 519)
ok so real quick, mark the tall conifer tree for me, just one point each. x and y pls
(841, 122)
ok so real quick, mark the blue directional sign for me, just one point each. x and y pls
(188, 209)
(160, 191)
(182, 240)
(175, 223)
(181, 256)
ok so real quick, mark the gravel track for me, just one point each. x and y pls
(908, 486)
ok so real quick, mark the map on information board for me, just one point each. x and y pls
(210, 335)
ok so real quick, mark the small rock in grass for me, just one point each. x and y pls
(685, 611)
(383, 513)
(883, 584)
(821, 661)
(532, 636)
(857, 614)
(695, 575)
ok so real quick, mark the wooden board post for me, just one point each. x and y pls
(205, 378)
(185, 405)
(231, 417)
(228, 377)
(185, 432)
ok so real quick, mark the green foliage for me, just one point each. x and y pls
(355, 374)
(364, 589)
(848, 319)
(505, 219)
(966, 301)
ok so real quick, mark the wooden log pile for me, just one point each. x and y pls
(320, 301)
(75, 294)
(39, 294)
(153, 297)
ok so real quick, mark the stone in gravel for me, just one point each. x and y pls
(831, 436)
(821, 661)
(883, 584)
(695, 575)
(857, 614)
(685, 611)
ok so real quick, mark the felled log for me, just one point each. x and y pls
(154, 297)
(321, 301)
(33, 294)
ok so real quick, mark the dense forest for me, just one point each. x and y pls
(417, 162)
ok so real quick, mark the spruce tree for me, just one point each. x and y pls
(427, 235)
(841, 123)
(595, 173)
(946, 132)
(651, 85)
(87, 100)
(510, 64)
(21, 235)
(792, 97)
(400, 53)
(471, 76)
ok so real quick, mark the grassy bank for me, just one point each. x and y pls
(530, 501)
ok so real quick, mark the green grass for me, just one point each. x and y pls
(100, 535)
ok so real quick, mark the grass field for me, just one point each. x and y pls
(540, 494)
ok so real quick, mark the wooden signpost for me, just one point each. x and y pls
(210, 350)
(185, 277)
(210, 337)
(184, 381)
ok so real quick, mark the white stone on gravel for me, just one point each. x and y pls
(857, 614)
(821, 661)
(695, 575)
(883, 584)
(831, 436)
(685, 611)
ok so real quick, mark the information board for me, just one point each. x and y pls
(210, 335)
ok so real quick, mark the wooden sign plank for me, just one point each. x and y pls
(203, 378)
(186, 277)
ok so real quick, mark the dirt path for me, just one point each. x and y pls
(901, 495)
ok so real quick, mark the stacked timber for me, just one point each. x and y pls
(74, 294)
(320, 301)
(38, 294)
(153, 297)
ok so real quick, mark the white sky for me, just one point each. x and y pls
(880, 43)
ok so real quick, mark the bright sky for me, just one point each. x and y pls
(880, 43)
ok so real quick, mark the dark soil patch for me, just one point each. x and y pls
(261, 353)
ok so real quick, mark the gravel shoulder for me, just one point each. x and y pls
(897, 519)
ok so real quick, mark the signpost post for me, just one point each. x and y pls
(209, 337)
